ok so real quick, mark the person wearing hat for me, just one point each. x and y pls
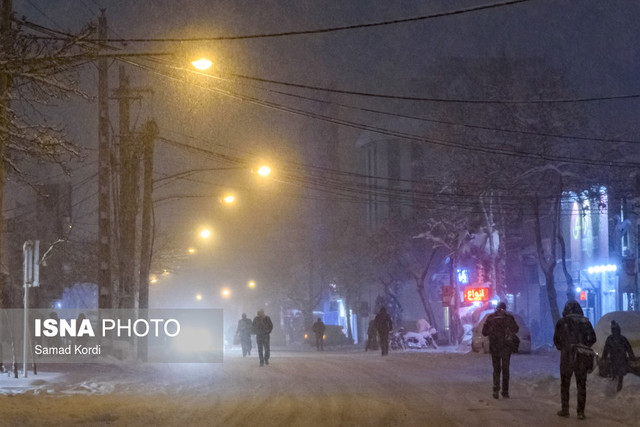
(498, 325)
(617, 353)
(573, 328)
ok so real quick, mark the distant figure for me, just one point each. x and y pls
(573, 328)
(497, 327)
(262, 327)
(372, 337)
(244, 333)
(617, 352)
(383, 326)
(318, 329)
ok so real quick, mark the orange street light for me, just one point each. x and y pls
(202, 64)
(226, 293)
(264, 170)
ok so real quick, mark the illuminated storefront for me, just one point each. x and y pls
(592, 266)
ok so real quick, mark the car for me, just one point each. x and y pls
(480, 343)
(333, 335)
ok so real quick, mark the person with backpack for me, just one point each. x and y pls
(500, 327)
(572, 332)
(617, 353)
(262, 327)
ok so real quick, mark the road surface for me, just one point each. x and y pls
(302, 387)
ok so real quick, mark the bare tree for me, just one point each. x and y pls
(453, 236)
(35, 71)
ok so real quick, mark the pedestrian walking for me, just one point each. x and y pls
(500, 327)
(262, 327)
(617, 353)
(244, 334)
(573, 329)
(318, 329)
(383, 326)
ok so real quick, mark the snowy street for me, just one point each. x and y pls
(303, 387)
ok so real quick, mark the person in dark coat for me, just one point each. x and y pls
(497, 326)
(383, 326)
(262, 327)
(244, 334)
(617, 352)
(372, 337)
(573, 328)
(318, 329)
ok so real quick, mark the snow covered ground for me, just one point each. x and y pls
(301, 387)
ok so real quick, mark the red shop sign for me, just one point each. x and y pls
(476, 294)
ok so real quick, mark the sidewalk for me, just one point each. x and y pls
(11, 385)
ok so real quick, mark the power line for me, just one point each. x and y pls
(448, 122)
(33, 5)
(321, 30)
(424, 119)
(583, 99)
(327, 181)
(412, 137)
(439, 100)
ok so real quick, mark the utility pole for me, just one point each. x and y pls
(148, 139)
(6, 38)
(146, 246)
(130, 151)
(128, 204)
(105, 293)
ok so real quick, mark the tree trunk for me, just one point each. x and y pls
(571, 290)
(420, 286)
(457, 331)
(489, 221)
(548, 263)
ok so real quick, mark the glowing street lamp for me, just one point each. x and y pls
(264, 170)
(198, 297)
(202, 64)
(205, 233)
(192, 251)
(252, 284)
(229, 198)
(226, 293)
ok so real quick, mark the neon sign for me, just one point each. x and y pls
(463, 276)
(583, 296)
(476, 294)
